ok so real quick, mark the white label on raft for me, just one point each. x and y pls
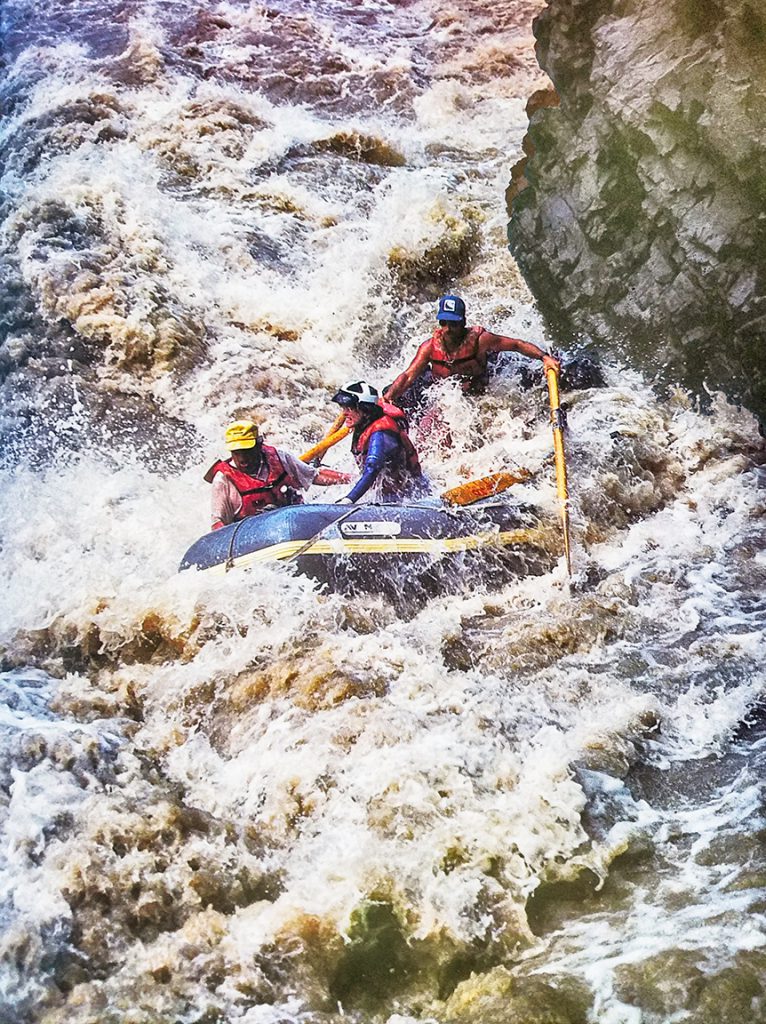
(371, 528)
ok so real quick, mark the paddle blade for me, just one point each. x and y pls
(486, 487)
(326, 443)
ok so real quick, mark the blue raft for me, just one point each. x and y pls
(371, 547)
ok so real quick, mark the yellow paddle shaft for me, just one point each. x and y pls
(326, 442)
(562, 491)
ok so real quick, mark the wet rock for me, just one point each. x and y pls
(364, 148)
(458, 654)
(500, 998)
(366, 614)
(664, 984)
(312, 682)
(81, 645)
(377, 961)
(748, 880)
(637, 216)
(578, 372)
(553, 902)
(448, 254)
(732, 996)
(733, 847)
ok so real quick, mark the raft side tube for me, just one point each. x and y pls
(361, 530)
(260, 532)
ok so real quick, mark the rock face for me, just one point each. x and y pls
(639, 215)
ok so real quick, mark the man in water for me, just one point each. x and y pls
(455, 350)
(381, 446)
(257, 477)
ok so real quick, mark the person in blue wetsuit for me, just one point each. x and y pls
(381, 446)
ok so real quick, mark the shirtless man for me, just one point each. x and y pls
(455, 350)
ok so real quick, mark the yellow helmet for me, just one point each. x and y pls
(241, 434)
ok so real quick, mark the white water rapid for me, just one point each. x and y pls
(245, 799)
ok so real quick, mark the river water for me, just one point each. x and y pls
(241, 798)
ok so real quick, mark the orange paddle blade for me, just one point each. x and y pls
(486, 487)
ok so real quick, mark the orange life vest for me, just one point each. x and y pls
(466, 362)
(256, 493)
(394, 420)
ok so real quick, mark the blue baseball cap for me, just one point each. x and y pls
(451, 307)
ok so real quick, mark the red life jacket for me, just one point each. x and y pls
(467, 362)
(395, 420)
(256, 493)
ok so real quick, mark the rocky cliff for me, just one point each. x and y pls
(639, 215)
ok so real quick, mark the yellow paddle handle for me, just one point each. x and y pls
(485, 487)
(558, 434)
(561, 466)
(325, 443)
(553, 387)
(559, 459)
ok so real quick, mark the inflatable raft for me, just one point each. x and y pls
(348, 546)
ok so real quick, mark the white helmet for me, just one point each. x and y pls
(357, 392)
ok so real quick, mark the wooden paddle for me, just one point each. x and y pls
(485, 487)
(336, 433)
(557, 421)
(325, 443)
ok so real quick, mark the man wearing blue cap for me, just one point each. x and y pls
(455, 350)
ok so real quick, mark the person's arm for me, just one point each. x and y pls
(303, 475)
(406, 379)
(326, 477)
(490, 342)
(225, 502)
(383, 444)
